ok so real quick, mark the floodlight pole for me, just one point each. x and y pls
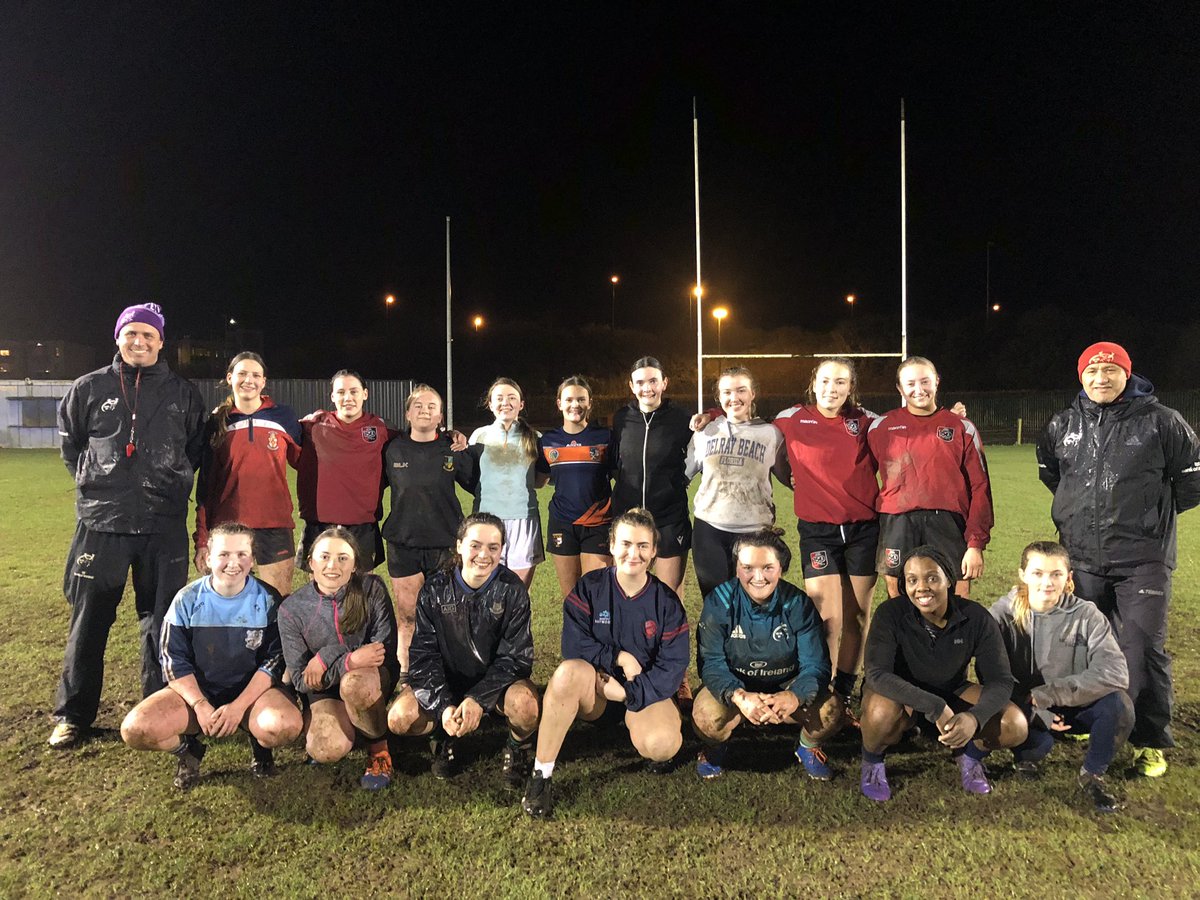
(699, 291)
(903, 244)
(449, 340)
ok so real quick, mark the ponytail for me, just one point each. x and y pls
(354, 598)
(220, 415)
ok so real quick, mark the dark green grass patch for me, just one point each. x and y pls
(105, 820)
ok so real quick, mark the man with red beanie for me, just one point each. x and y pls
(1122, 466)
(132, 434)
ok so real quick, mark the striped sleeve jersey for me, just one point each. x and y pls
(223, 641)
(579, 471)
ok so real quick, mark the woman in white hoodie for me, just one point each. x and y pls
(735, 456)
(1071, 675)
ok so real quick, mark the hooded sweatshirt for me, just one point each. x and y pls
(1068, 657)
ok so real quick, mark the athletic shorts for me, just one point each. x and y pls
(956, 704)
(272, 545)
(523, 547)
(404, 561)
(569, 539)
(367, 536)
(828, 549)
(675, 539)
(901, 532)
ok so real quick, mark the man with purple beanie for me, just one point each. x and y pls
(132, 434)
(1122, 466)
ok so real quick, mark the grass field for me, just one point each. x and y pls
(105, 820)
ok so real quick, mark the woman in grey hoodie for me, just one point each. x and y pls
(1070, 673)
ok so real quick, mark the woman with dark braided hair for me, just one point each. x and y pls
(918, 651)
(339, 642)
(249, 444)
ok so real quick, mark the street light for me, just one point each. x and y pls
(614, 281)
(995, 307)
(388, 302)
(477, 322)
(850, 298)
(719, 313)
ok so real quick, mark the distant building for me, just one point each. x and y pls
(195, 358)
(47, 360)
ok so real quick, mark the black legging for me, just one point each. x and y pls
(712, 555)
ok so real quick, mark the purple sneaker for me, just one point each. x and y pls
(974, 775)
(874, 782)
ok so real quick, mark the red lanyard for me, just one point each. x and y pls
(137, 389)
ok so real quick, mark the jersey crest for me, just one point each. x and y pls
(818, 559)
(272, 441)
(651, 629)
(370, 434)
(254, 638)
(946, 433)
(553, 454)
(852, 426)
(892, 556)
(447, 463)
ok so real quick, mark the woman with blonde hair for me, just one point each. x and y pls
(1071, 675)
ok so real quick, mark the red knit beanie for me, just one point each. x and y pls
(1105, 352)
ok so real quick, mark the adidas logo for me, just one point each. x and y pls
(737, 633)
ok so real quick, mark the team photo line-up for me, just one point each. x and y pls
(1076, 648)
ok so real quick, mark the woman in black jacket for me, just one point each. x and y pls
(471, 654)
(918, 650)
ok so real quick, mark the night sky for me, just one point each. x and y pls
(292, 164)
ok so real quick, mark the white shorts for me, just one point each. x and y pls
(523, 543)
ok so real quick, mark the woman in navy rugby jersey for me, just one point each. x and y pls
(249, 443)
(625, 640)
(577, 453)
(222, 662)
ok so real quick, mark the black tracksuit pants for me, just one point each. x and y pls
(1135, 602)
(98, 566)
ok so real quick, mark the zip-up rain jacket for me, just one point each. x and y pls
(1120, 473)
(146, 492)
(469, 643)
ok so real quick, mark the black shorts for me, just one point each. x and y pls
(569, 539)
(902, 532)
(367, 536)
(828, 549)
(272, 545)
(675, 539)
(404, 561)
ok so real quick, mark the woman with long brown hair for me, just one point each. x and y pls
(249, 443)
(339, 642)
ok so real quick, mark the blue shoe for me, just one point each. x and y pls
(710, 762)
(814, 761)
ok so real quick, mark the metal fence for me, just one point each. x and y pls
(384, 398)
(1003, 417)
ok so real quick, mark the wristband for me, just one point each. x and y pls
(198, 702)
